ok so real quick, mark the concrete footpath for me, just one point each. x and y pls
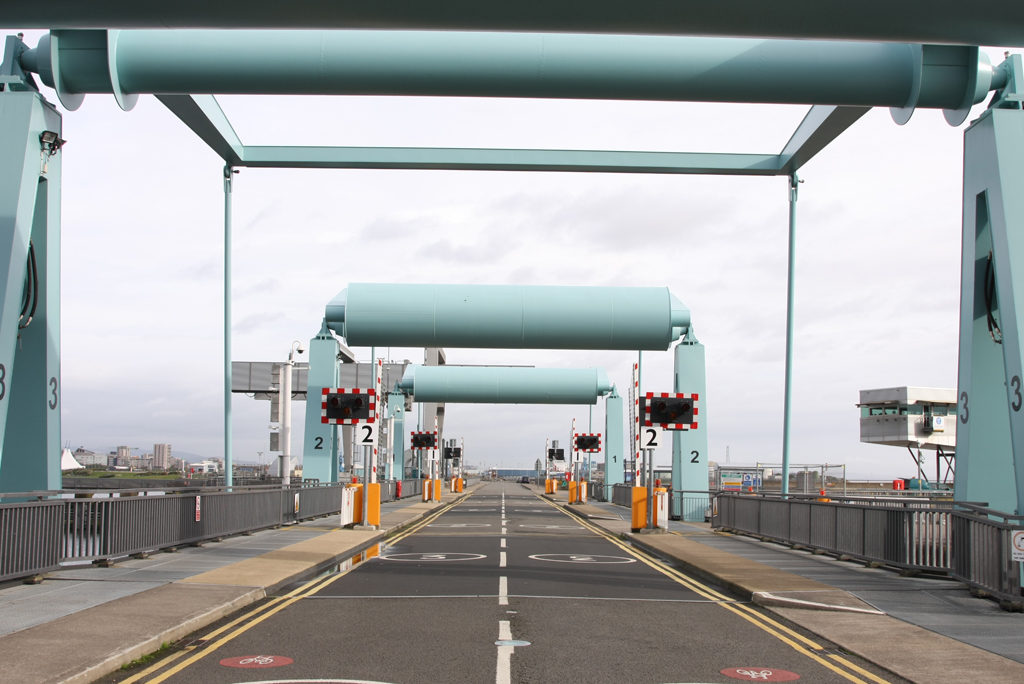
(908, 650)
(83, 623)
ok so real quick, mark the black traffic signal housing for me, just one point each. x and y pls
(588, 442)
(449, 452)
(348, 407)
(424, 440)
(669, 411)
(457, 452)
(556, 454)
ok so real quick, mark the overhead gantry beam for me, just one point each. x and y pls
(203, 115)
(1001, 22)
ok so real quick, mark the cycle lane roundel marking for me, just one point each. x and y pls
(257, 661)
(760, 674)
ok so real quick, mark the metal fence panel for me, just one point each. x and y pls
(29, 538)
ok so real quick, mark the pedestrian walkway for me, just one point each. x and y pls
(48, 632)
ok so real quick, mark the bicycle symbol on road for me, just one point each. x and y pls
(760, 674)
(258, 660)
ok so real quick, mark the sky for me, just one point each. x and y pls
(877, 269)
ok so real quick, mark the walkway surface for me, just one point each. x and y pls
(50, 632)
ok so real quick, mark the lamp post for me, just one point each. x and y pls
(286, 413)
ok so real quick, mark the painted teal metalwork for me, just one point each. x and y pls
(533, 65)
(690, 447)
(229, 470)
(504, 385)
(319, 441)
(396, 461)
(990, 433)
(507, 316)
(787, 402)
(614, 442)
(30, 191)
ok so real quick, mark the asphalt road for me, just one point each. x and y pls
(564, 601)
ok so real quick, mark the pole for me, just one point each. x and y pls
(790, 290)
(368, 450)
(639, 389)
(286, 422)
(228, 460)
(650, 489)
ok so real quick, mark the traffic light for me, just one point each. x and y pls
(556, 454)
(347, 407)
(449, 452)
(457, 452)
(588, 442)
(424, 440)
(668, 411)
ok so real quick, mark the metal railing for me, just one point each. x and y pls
(693, 504)
(622, 495)
(37, 536)
(961, 539)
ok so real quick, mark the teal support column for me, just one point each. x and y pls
(690, 447)
(30, 387)
(990, 423)
(228, 436)
(614, 443)
(319, 441)
(396, 410)
(787, 402)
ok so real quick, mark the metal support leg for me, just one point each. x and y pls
(228, 460)
(990, 423)
(29, 366)
(690, 447)
(614, 443)
(787, 409)
(396, 411)
(319, 451)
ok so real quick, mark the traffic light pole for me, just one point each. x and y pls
(650, 489)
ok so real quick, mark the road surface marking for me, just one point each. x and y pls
(503, 674)
(501, 562)
(503, 591)
(502, 543)
(761, 621)
(586, 559)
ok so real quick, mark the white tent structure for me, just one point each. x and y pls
(67, 460)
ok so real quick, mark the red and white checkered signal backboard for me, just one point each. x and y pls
(651, 397)
(343, 394)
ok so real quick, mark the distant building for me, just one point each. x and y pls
(162, 456)
(90, 459)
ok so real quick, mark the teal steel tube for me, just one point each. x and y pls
(505, 385)
(507, 316)
(476, 64)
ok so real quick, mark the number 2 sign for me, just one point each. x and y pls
(650, 437)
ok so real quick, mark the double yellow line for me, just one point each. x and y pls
(798, 642)
(211, 643)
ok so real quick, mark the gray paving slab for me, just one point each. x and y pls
(76, 588)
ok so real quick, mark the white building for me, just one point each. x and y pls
(916, 417)
(161, 456)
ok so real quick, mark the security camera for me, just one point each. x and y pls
(301, 349)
